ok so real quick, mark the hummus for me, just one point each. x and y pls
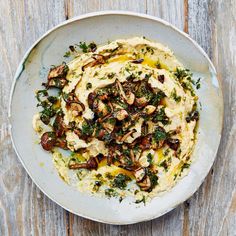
(125, 112)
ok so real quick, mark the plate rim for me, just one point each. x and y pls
(20, 69)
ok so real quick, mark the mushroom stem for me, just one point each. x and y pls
(91, 164)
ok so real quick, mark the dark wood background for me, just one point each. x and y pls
(25, 210)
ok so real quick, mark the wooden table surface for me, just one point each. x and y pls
(25, 210)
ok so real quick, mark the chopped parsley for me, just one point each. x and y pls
(160, 116)
(87, 48)
(175, 96)
(120, 181)
(83, 46)
(150, 158)
(87, 129)
(157, 98)
(159, 134)
(153, 178)
(164, 165)
(67, 54)
(110, 192)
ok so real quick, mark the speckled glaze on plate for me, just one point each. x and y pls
(101, 27)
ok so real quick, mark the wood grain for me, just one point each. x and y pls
(212, 209)
(24, 210)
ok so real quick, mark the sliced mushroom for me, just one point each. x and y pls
(130, 97)
(76, 108)
(57, 76)
(141, 102)
(127, 135)
(48, 140)
(62, 143)
(121, 114)
(101, 108)
(146, 142)
(58, 72)
(132, 155)
(91, 164)
(97, 59)
(109, 158)
(59, 126)
(121, 89)
(56, 83)
(91, 98)
(146, 184)
(173, 143)
(149, 109)
(101, 134)
(109, 115)
(139, 174)
(144, 128)
(103, 97)
(73, 103)
(109, 125)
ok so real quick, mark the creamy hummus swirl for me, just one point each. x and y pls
(127, 112)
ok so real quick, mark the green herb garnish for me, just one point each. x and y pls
(175, 96)
(150, 158)
(160, 134)
(120, 181)
(88, 86)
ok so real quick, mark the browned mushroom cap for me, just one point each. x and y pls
(97, 60)
(91, 98)
(121, 114)
(76, 108)
(139, 174)
(146, 142)
(149, 109)
(138, 61)
(61, 143)
(146, 184)
(58, 72)
(57, 76)
(173, 143)
(130, 97)
(72, 98)
(100, 107)
(109, 124)
(48, 140)
(141, 102)
(59, 126)
(73, 103)
(56, 83)
(91, 164)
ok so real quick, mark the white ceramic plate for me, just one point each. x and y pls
(101, 27)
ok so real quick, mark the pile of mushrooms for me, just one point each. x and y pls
(116, 107)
